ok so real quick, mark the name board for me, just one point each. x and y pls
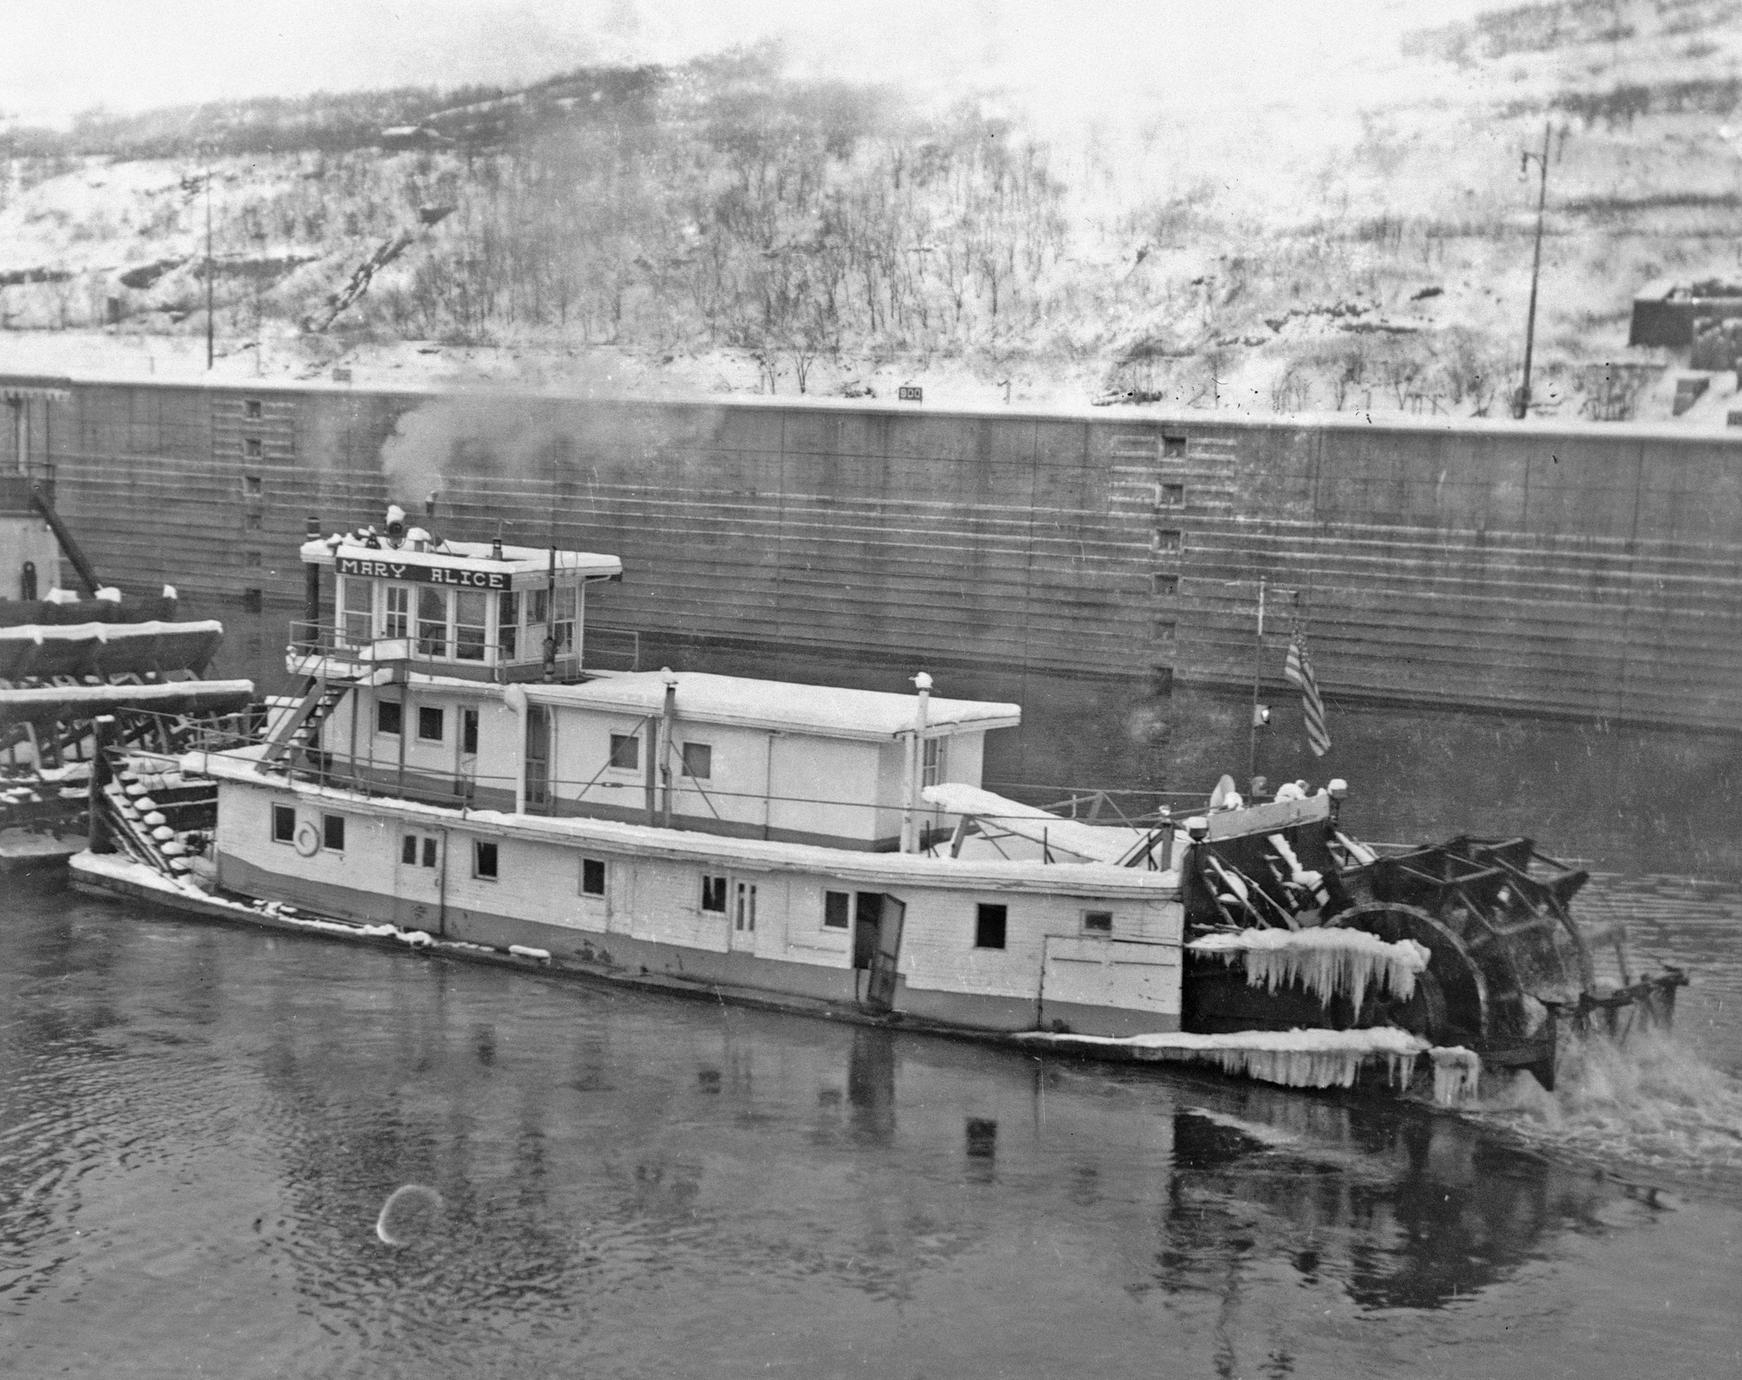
(910, 392)
(423, 574)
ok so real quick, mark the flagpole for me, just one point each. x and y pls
(1257, 670)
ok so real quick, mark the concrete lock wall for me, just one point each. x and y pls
(1590, 573)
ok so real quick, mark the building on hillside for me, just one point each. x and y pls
(1666, 313)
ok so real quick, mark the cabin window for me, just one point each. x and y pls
(713, 893)
(283, 823)
(625, 751)
(698, 761)
(253, 600)
(1173, 496)
(333, 832)
(933, 770)
(396, 611)
(508, 624)
(989, 922)
(253, 522)
(251, 407)
(592, 876)
(357, 617)
(432, 622)
(537, 606)
(389, 717)
(744, 908)
(251, 447)
(431, 723)
(837, 907)
(471, 615)
(1172, 446)
(484, 860)
(1097, 922)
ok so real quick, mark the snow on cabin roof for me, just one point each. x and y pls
(829, 710)
(1108, 843)
(517, 562)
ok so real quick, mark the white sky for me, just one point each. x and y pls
(1075, 59)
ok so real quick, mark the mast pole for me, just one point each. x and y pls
(1257, 670)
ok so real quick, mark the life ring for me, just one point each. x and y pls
(308, 839)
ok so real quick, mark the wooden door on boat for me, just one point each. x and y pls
(466, 767)
(538, 745)
(743, 914)
(880, 981)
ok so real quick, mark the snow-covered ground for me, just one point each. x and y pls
(1357, 246)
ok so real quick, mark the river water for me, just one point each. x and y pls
(229, 1153)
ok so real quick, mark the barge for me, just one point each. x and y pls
(455, 777)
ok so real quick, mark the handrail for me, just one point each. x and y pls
(327, 640)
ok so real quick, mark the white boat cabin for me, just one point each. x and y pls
(455, 673)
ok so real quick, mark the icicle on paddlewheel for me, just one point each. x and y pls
(1506, 967)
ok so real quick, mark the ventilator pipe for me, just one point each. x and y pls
(667, 726)
(515, 698)
(915, 757)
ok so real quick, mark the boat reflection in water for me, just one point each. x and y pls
(205, 1126)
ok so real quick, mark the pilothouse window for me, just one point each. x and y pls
(357, 612)
(432, 622)
(508, 624)
(470, 625)
(396, 611)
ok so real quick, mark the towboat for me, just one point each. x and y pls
(458, 777)
(68, 657)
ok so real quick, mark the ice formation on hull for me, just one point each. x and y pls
(1329, 963)
(1293, 1058)
(1456, 1072)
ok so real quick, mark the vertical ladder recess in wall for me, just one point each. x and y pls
(253, 446)
(1146, 505)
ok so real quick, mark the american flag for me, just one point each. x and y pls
(1299, 670)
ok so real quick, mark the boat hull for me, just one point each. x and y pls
(616, 958)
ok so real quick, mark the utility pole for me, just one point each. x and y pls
(1521, 403)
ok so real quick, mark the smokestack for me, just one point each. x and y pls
(311, 596)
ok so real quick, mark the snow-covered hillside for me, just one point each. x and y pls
(1362, 246)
